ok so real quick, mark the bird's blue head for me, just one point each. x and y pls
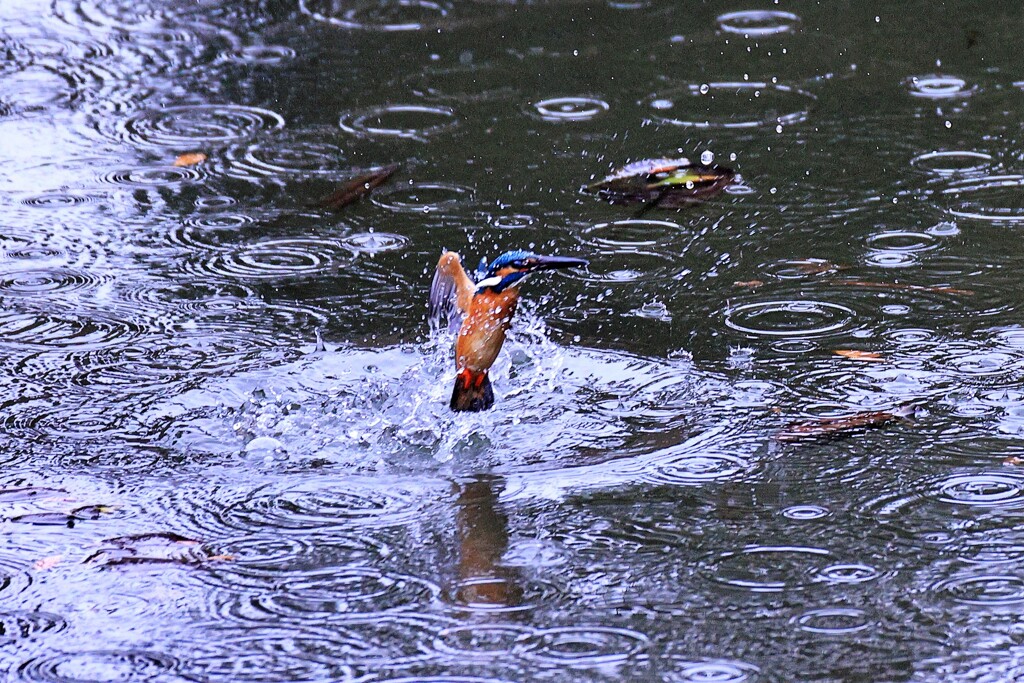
(512, 267)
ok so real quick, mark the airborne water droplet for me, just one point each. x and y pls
(705, 88)
(706, 157)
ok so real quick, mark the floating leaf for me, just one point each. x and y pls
(749, 284)
(1014, 460)
(843, 425)
(356, 188)
(853, 354)
(663, 183)
(165, 547)
(190, 159)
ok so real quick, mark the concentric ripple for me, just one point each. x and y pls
(625, 265)
(274, 259)
(630, 234)
(758, 23)
(693, 468)
(388, 15)
(763, 569)
(731, 105)
(789, 318)
(952, 162)
(268, 55)
(988, 590)
(18, 625)
(566, 109)
(374, 242)
(983, 489)
(939, 87)
(64, 330)
(424, 197)
(992, 198)
(151, 176)
(334, 592)
(63, 199)
(583, 646)
(209, 231)
(412, 121)
(484, 641)
(990, 552)
(271, 655)
(708, 670)
(36, 88)
(363, 506)
(805, 512)
(848, 573)
(99, 666)
(901, 241)
(186, 127)
(47, 282)
(833, 621)
(304, 153)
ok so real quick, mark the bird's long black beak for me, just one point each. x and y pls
(553, 262)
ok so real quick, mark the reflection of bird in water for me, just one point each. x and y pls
(482, 529)
(485, 311)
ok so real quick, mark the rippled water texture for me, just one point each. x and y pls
(227, 452)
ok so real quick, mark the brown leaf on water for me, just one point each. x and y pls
(356, 188)
(816, 266)
(1014, 460)
(853, 354)
(41, 565)
(897, 286)
(842, 425)
(749, 284)
(190, 159)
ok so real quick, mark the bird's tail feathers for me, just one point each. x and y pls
(472, 392)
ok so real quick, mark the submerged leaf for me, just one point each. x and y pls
(664, 183)
(356, 188)
(843, 425)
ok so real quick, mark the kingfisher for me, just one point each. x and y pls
(482, 312)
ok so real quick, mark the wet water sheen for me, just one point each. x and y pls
(193, 490)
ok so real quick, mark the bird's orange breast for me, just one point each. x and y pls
(483, 331)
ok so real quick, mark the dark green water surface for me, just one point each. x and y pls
(192, 491)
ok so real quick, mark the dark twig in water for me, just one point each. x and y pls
(354, 189)
(843, 425)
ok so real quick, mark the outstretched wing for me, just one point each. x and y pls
(450, 293)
